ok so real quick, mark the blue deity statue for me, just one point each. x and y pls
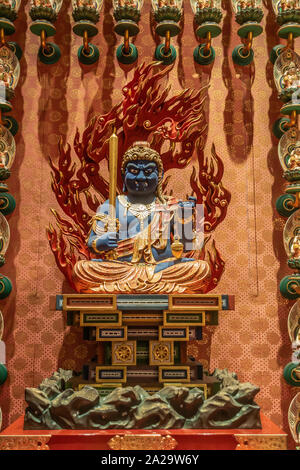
(149, 244)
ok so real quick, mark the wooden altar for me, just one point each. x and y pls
(270, 437)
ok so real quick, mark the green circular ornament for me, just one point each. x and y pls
(204, 58)
(294, 263)
(168, 58)
(205, 28)
(50, 55)
(127, 58)
(275, 52)
(83, 25)
(8, 26)
(279, 127)
(7, 203)
(240, 58)
(16, 49)
(289, 107)
(11, 124)
(291, 372)
(5, 287)
(167, 13)
(42, 25)
(90, 57)
(289, 286)
(286, 29)
(127, 25)
(250, 27)
(3, 374)
(162, 28)
(293, 188)
(285, 205)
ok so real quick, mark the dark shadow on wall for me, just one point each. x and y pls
(246, 76)
(278, 188)
(180, 68)
(105, 68)
(202, 347)
(8, 305)
(204, 75)
(236, 118)
(53, 78)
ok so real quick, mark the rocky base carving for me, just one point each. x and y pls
(54, 406)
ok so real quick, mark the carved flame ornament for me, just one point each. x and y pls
(174, 126)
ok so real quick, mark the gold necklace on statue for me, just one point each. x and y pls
(139, 210)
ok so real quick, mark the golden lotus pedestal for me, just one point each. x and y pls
(270, 437)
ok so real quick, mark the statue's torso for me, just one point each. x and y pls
(134, 219)
(146, 258)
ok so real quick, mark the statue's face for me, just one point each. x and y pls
(141, 176)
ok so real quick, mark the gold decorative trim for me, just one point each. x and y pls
(142, 442)
(166, 323)
(98, 323)
(110, 307)
(123, 352)
(94, 246)
(294, 417)
(24, 442)
(191, 385)
(143, 318)
(261, 442)
(98, 338)
(210, 317)
(175, 338)
(104, 385)
(161, 353)
(160, 373)
(151, 389)
(189, 307)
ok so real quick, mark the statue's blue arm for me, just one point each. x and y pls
(106, 241)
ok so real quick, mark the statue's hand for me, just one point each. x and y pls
(106, 242)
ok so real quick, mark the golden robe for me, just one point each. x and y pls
(138, 276)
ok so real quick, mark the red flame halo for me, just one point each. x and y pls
(175, 124)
